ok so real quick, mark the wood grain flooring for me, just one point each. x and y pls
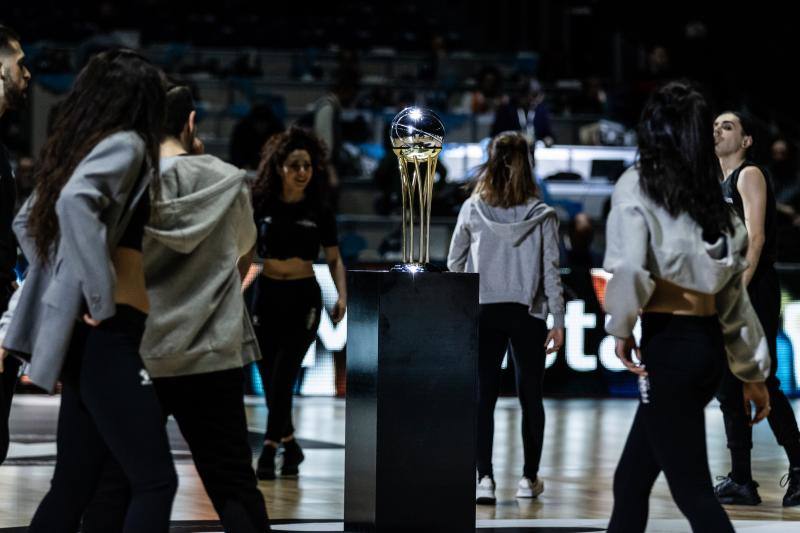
(583, 441)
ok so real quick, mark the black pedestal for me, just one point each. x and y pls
(411, 401)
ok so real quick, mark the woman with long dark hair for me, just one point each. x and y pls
(82, 311)
(676, 253)
(293, 223)
(510, 237)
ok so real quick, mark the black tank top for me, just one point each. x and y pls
(732, 196)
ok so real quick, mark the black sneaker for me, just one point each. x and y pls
(729, 492)
(266, 463)
(292, 457)
(792, 496)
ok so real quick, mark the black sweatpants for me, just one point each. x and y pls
(685, 358)
(498, 324)
(286, 321)
(109, 409)
(8, 382)
(764, 292)
(209, 410)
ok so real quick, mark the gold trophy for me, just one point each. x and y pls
(417, 135)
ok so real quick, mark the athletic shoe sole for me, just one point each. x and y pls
(485, 500)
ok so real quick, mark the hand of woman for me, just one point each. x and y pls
(91, 321)
(556, 336)
(338, 311)
(623, 350)
(756, 393)
(3, 355)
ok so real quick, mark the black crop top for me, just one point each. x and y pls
(295, 230)
(134, 232)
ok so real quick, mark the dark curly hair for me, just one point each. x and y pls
(506, 179)
(677, 165)
(118, 90)
(268, 185)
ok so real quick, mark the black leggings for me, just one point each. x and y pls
(685, 358)
(209, 409)
(765, 296)
(109, 408)
(287, 316)
(499, 324)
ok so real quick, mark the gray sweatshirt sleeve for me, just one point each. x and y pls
(247, 233)
(745, 343)
(459, 244)
(552, 275)
(626, 254)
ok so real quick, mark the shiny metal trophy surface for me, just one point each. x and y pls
(417, 135)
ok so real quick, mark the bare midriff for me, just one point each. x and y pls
(670, 298)
(130, 289)
(292, 268)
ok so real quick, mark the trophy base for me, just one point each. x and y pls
(413, 268)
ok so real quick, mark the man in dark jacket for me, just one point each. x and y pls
(14, 79)
(525, 112)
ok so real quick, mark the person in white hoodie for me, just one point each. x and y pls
(510, 237)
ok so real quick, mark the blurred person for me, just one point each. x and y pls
(748, 188)
(327, 125)
(250, 134)
(293, 222)
(82, 312)
(578, 252)
(198, 336)
(782, 168)
(676, 255)
(485, 96)
(509, 236)
(525, 111)
(14, 79)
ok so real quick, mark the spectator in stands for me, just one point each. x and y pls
(251, 133)
(577, 250)
(593, 99)
(525, 111)
(327, 124)
(782, 168)
(485, 97)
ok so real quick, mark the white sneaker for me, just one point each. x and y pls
(528, 489)
(484, 493)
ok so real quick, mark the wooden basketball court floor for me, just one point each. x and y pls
(583, 440)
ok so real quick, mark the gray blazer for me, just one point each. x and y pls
(93, 209)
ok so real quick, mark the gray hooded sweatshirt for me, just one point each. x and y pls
(645, 242)
(515, 251)
(203, 223)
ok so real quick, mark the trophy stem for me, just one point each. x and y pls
(431, 175)
(411, 191)
(403, 188)
(421, 190)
